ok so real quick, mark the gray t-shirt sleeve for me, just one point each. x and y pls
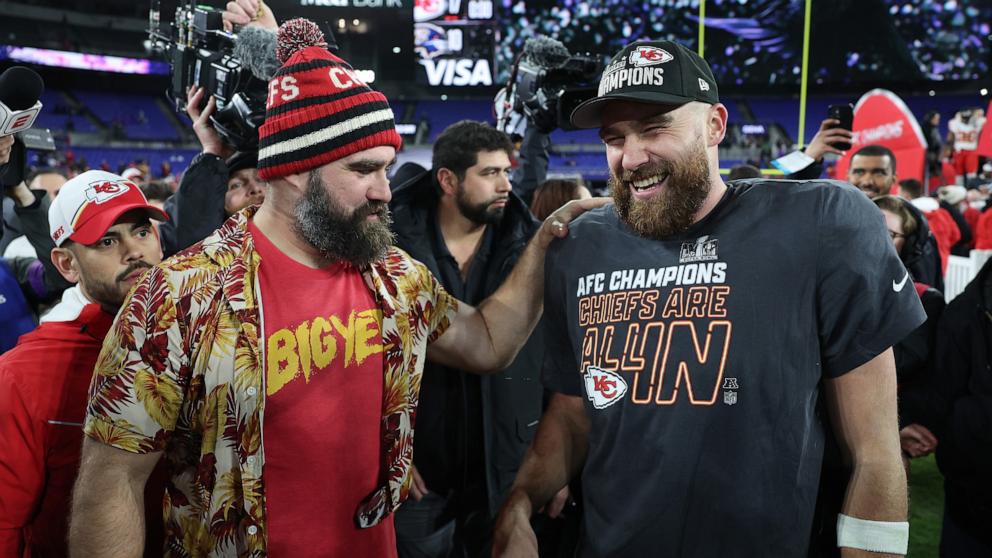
(560, 372)
(865, 300)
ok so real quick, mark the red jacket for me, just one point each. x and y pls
(946, 232)
(983, 231)
(44, 382)
(972, 215)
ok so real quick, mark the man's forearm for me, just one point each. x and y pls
(877, 492)
(512, 312)
(556, 455)
(862, 406)
(107, 516)
(107, 521)
(34, 223)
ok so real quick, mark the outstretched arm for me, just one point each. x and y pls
(487, 338)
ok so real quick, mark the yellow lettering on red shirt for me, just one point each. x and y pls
(303, 345)
(281, 349)
(366, 330)
(312, 346)
(323, 345)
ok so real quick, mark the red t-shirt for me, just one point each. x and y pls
(321, 425)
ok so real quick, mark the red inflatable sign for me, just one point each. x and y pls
(882, 118)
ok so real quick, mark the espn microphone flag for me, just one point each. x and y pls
(20, 91)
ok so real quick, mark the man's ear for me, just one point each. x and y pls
(448, 180)
(65, 262)
(299, 181)
(716, 124)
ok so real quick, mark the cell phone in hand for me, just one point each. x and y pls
(845, 114)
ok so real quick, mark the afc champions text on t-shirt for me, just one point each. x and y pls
(699, 359)
(643, 348)
(321, 426)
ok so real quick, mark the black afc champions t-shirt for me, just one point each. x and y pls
(700, 358)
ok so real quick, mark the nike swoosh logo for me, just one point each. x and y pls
(898, 286)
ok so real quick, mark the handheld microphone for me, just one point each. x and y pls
(20, 91)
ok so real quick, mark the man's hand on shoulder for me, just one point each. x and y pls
(556, 225)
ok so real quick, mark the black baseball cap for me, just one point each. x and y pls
(662, 72)
(242, 160)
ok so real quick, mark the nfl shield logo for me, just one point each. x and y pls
(730, 397)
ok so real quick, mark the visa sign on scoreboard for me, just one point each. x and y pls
(455, 42)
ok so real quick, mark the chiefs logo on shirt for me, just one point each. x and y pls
(649, 56)
(603, 387)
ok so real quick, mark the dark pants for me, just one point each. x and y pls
(955, 542)
(441, 527)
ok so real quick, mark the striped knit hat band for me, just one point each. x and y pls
(318, 110)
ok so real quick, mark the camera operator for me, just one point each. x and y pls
(218, 183)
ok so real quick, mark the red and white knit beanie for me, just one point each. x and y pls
(318, 110)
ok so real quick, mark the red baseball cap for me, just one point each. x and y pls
(91, 203)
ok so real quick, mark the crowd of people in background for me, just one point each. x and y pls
(156, 282)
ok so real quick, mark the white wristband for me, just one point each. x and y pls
(874, 536)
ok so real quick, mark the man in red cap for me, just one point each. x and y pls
(104, 242)
(276, 365)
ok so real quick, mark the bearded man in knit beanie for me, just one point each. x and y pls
(302, 308)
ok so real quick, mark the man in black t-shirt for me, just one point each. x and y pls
(691, 328)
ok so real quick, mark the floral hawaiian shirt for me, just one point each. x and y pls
(181, 372)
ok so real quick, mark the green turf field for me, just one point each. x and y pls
(926, 507)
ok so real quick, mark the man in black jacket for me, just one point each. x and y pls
(462, 220)
(963, 419)
(217, 184)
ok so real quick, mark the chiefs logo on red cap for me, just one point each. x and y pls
(649, 56)
(103, 191)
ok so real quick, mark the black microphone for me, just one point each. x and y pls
(544, 52)
(20, 91)
(256, 48)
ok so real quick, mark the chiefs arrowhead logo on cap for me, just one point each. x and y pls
(649, 56)
(106, 190)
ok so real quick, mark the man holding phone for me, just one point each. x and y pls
(834, 136)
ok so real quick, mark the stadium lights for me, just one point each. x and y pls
(984, 92)
(396, 50)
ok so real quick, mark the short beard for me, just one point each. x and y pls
(339, 236)
(673, 210)
(109, 294)
(480, 213)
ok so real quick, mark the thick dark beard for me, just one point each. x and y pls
(673, 210)
(480, 214)
(338, 236)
